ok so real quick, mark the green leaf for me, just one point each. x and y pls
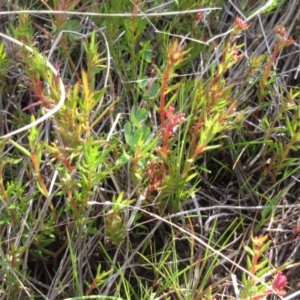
(138, 136)
(73, 25)
(267, 244)
(153, 91)
(33, 135)
(146, 52)
(273, 5)
(261, 265)
(122, 160)
(146, 134)
(289, 126)
(173, 87)
(263, 271)
(127, 133)
(249, 263)
(22, 149)
(138, 117)
(249, 250)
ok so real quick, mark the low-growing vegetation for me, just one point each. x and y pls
(149, 150)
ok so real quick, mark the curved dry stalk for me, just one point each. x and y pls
(50, 112)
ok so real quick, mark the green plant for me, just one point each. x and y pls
(143, 145)
(258, 265)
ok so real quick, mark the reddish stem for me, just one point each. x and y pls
(268, 68)
(163, 96)
(296, 231)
